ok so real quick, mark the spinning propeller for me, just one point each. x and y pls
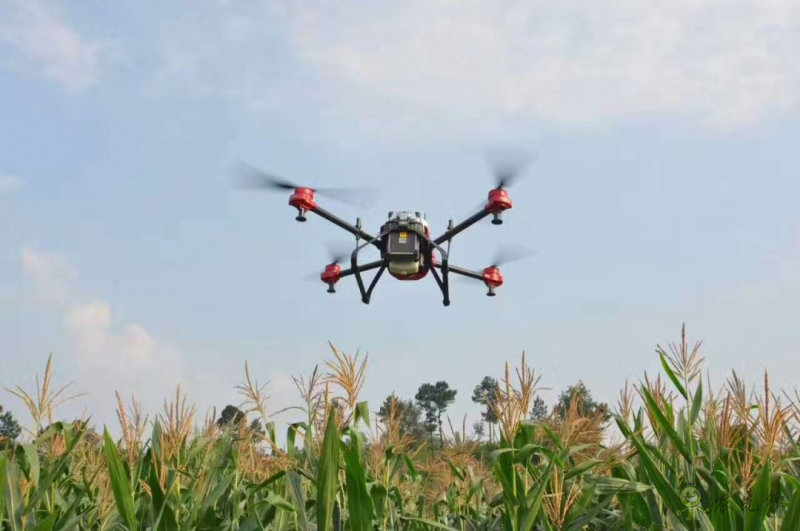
(252, 178)
(492, 277)
(507, 166)
(508, 254)
(337, 254)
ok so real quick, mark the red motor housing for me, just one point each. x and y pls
(332, 274)
(303, 199)
(492, 277)
(499, 201)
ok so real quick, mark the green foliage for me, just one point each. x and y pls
(230, 416)
(685, 463)
(538, 409)
(9, 428)
(485, 394)
(434, 399)
(408, 414)
(583, 398)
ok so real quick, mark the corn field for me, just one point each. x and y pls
(676, 454)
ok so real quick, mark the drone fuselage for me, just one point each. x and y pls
(405, 243)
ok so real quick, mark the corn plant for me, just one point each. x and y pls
(686, 457)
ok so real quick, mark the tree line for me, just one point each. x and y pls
(421, 418)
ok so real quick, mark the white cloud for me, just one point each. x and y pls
(51, 273)
(398, 69)
(125, 356)
(107, 354)
(10, 184)
(36, 31)
(719, 62)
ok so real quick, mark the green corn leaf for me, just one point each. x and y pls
(270, 429)
(119, 483)
(280, 502)
(291, 437)
(665, 424)
(270, 480)
(663, 487)
(359, 502)
(610, 485)
(697, 404)
(362, 413)
(412, 471)
(299, 498)
(31, 455)
(582, 468)
(56, 469)
(164, 517)
(673, 377)
(46, 524)
(379, 498)
(457, 472)
(328, 473)
(431, 524)
(13, 496)
(534, 500)
(791, 521)
(759, 501)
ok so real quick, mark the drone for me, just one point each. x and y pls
(407, 249)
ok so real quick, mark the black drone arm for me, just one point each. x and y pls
(463, 272)
(452, 231)
(352, 229)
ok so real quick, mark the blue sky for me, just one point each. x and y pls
(664, 191)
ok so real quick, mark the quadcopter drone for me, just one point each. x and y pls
(406, 247)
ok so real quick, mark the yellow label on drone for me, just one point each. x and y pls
(403, 234)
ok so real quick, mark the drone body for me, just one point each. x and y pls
(407, 250)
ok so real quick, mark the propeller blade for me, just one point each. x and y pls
(507, 166)
(509, 254)
(338, 252)
(250, 177)
(362, 197)
(312, 277)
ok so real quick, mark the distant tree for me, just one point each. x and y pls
(231, 415)
(434, 399)
(485, 394)
(479, 430)
(587, 406)
(9, 427)
(257, 431)
(407, 413)
(256, 427)
(539, 409)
